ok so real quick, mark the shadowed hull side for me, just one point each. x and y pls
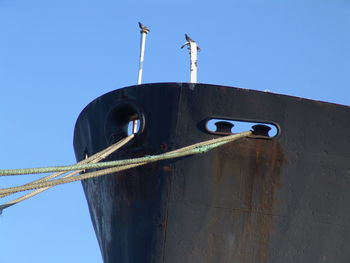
(280, 199)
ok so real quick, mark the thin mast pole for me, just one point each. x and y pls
(193, 62)
(193, 47)
(144, 31)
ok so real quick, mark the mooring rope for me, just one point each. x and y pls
(93, 159)
(109, 167)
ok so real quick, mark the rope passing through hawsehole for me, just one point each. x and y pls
(104, 168)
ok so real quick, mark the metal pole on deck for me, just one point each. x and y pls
(193, 47)
(144, 31)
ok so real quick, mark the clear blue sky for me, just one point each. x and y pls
(56, 56)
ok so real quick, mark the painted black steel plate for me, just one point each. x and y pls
(257, 200)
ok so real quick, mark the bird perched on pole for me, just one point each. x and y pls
(188, 41)
(143, 28)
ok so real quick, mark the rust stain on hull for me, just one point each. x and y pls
(256, 166)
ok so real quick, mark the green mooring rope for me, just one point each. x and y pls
(109, 167)
(193, 149)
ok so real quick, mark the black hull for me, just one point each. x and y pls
(254, 200)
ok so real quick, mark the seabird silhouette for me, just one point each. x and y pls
(143, 28)
(188, 41)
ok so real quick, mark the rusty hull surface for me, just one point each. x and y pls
(255, 200)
